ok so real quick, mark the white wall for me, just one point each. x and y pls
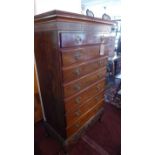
(112, 11)
(49, 5)
(113, 7)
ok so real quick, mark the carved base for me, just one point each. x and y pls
(68, 143)
(74, 138)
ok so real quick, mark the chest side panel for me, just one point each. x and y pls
(49, 73)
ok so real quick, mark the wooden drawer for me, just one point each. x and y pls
(77, 71)
(71, 39)
(110, 50)
(79, 123)
(77, 100)
(110, 47)
(76, 86)
(73, 115)
(79, 55)
(111, 40)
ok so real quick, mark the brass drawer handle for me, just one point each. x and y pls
(77, 56)
(78, 39)
(77, 113)
(99, 76)
(96, 98)
(77, 71)
(77, 125)
(77, 87)
(78, 100)
(100, 63)
(97, 88)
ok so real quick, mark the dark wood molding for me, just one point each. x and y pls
(57, 15)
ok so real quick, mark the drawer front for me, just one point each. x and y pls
(79, 55)
(79, 123)
(71, 39)
(111, 52)
(76, 72)
(85, 81)
(77, 100)
(110, 47)
(111, 40)
(73, 115)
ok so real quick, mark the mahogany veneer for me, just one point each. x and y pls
(71, 52)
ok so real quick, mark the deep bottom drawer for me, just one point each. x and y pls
(78, 124)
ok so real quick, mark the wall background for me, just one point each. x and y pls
(65, 5)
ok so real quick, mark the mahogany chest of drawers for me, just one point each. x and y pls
(71, 52)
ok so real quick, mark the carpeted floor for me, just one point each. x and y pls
(104, 138)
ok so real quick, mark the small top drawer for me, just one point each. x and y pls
(71, 39)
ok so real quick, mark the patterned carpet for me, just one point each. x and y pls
(111, 93)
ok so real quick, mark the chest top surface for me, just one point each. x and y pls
(57, 15)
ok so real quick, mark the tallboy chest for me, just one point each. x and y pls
(71, 53)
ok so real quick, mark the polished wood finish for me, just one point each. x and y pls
(71, 39)
(76, 71)
(78, 85)
(37, 109)
(68, 16)
(78, 124)
(79, 98)
(78, 55)
(73, 115)
(35, 82)
(37, 105)
(71, 52)
(49, 72)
